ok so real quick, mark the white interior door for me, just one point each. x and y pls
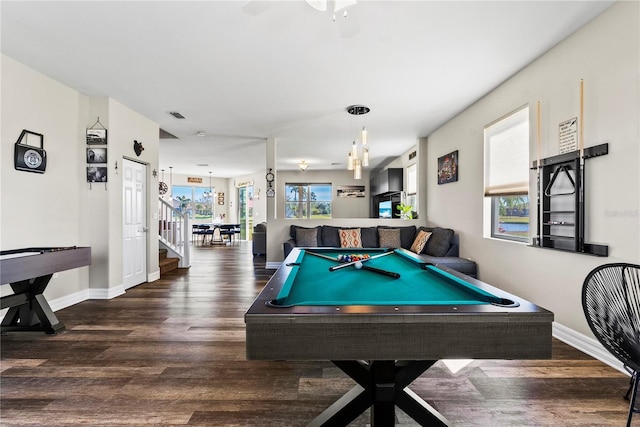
(134, 263)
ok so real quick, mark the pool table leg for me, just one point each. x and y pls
(28, 308)
(382, 384)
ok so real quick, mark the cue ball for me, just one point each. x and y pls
(358, 265)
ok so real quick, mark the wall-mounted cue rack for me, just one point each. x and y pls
(561, 193)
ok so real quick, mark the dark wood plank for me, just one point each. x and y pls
(172, 352)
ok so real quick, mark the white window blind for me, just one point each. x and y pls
(412, 179)
(506, 155)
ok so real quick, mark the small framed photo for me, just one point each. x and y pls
(448, 168)
(96, 155)
(97, 173)
(96, 136)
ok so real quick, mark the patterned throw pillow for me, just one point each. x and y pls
(389, 237)
(420, 241)
(307, 237)
(350, 238)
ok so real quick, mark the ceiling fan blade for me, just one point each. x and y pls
(340, 5)
(320, 5)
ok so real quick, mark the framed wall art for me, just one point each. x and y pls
(448, 168)
(351, 191)
(96, 155)
(97, 135)
(97, 173)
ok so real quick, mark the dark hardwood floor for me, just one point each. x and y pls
(171, 352)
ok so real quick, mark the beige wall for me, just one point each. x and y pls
(59, 207)
(605, 53)
(42, 209)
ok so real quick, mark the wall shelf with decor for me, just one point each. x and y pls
(560, 202)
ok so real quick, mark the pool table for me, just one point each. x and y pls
(383, 330)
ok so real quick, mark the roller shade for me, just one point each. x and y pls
(506, 157)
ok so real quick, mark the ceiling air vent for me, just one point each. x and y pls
(176, 114)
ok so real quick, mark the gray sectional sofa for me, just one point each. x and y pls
(441, 248)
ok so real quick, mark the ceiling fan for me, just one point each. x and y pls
(342, 12)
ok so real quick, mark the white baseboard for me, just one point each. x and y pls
(69, 300)
(272, 265)
(152, 277)
(84, 295)
(586, 345)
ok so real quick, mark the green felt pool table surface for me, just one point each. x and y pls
(312, 283)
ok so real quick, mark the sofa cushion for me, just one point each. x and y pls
(439, 242)
(350, 238)
(330, 237)
(420, 241)
(407, 235)
(309, 237)
(389, 237)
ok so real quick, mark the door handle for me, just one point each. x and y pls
(145, 229)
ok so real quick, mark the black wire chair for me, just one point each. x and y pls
(611, 304)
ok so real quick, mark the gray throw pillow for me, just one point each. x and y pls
(439, 242)
(389, 237)
(307, 237)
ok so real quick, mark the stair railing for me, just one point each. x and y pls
(173, 230)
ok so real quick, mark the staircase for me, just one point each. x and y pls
(173, 235)
(167, 264)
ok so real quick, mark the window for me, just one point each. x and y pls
(506, 180)
(412, 187)
(198, 201)
(311, 201)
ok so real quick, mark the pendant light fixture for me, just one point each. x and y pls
(359, 154)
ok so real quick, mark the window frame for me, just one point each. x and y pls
(492, 212)
(306, 205)
(190, 205)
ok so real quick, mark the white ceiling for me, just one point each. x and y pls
(286, 70)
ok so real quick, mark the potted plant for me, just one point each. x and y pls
(405, 211)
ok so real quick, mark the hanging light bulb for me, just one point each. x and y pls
(365, 157)
(357, 171)
(350, 162)
(354, 150)
(363, 136)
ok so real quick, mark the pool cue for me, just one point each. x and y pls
(580, 241)
(380, 271)
(364, 267)
(539, 182)
(321, 256)
(346, 264)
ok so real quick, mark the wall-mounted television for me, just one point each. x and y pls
(384, 209)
